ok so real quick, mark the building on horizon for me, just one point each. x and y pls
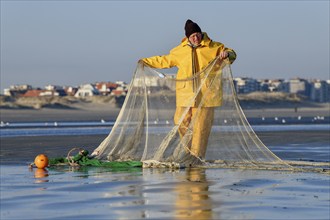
(319, 91)
(17, 90)
(86, 90)
(299, 86)
(246, 85)
(105, 88)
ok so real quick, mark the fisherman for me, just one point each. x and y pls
(194, 53)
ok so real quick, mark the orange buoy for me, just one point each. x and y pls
(41, 161)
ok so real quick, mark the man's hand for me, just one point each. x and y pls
(223, 55)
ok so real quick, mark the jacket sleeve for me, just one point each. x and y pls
(159, 62)
(231, 55)
(231, 52)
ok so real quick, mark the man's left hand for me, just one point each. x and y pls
(224, 55)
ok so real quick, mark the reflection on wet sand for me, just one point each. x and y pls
(40, 175)
(193, 201)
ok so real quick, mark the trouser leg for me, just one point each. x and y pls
(203, 120)
(201, 129)
(184, 126)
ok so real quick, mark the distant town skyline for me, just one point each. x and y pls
(315, 90)
(125, 82)
(76, 42)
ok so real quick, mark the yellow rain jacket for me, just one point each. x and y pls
(182, 58)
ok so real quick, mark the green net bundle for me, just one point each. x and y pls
(84, 159)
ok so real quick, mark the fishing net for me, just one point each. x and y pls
(165, 119)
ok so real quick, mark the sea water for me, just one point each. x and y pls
(94, 128)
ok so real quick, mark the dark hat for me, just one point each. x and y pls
(191, 27)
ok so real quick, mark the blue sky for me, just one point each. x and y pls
(76, 42)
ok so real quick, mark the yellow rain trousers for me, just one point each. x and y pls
(201, 127)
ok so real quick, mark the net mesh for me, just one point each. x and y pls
(152, 126)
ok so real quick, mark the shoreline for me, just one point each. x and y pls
(51, 115)
(98, 112)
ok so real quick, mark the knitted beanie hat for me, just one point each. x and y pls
(191, 27)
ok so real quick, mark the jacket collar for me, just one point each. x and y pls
(205, 41)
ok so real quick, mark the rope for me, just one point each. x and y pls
(70, 158)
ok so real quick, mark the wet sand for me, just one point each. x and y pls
(22, 150)
(100, 193)
(288, 145)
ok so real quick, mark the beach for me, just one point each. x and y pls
(288, 145)
(95, 112)
(105, 111)
(192, 193)
(95, 193)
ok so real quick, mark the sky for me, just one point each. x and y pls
(70, 43)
